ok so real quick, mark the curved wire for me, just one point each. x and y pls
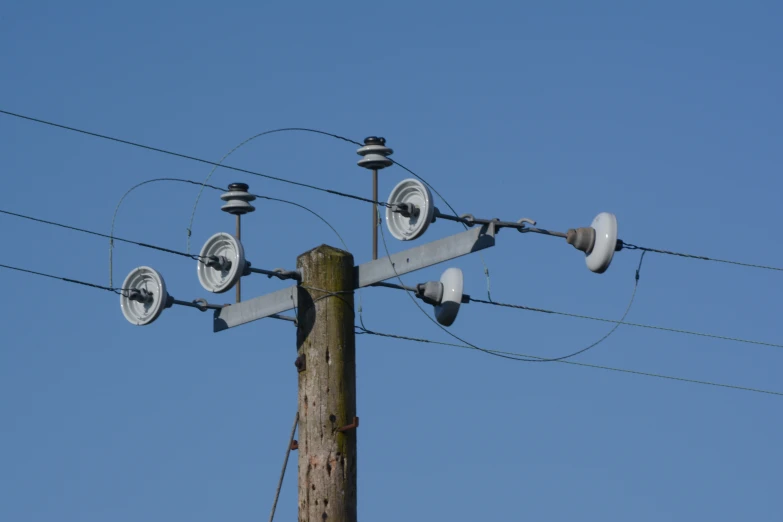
(454, 212)
(117, 209)
(265, 133)
(498, 354)
(202, 185)
(243, 143)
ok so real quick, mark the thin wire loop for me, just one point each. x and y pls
(497, 354)
(219, 189)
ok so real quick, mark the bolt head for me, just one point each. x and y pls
(374, 140)
(239, 186)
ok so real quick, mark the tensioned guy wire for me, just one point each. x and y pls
(202, 185)
(363, 330)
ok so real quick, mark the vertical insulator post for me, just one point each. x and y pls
(238, 203)
(375, 157)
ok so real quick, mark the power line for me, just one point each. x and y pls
(246, 171)
(201, 160)
(507, 355)
(629, 246)
(363, 330)
(93, 233)
(624, 245)
(637, 325)
(117, 291)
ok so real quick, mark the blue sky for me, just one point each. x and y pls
(667, 114)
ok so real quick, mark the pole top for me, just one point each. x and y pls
(239, 186)
(374, 140)
(237, 199)
(374, 153)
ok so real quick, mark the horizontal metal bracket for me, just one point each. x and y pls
(423, 256)
(366, 274)
(254, 309)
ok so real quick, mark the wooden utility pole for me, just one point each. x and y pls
(326, 347)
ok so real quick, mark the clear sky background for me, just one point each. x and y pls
(667, 114)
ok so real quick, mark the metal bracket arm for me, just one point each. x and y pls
(366, 274)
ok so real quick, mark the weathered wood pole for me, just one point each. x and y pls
(326, 347)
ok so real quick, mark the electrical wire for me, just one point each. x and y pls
(362, 330)
(245, 142)
(194, 158)
(219, 189)
(629, 246)
(508, 355)
(621, 322)
(498, 354)
(285, 465)
(453, 211)
(246, 171)
(118, 291)
(93, 233)
(335, 192)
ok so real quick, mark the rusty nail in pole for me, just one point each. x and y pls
(352, 426)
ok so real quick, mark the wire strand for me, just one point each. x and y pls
(194, 158)
(285, 465)
(629, 246)
(98, 234)
(117, 291)
(117, 209)
(624, 323)
(247, 171)
(580, 364)
(245, 142)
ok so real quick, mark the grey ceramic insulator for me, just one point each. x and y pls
(431, 292)
(582, 238)
(237, 200)
(374, 154)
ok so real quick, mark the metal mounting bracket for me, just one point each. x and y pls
(366, 274)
